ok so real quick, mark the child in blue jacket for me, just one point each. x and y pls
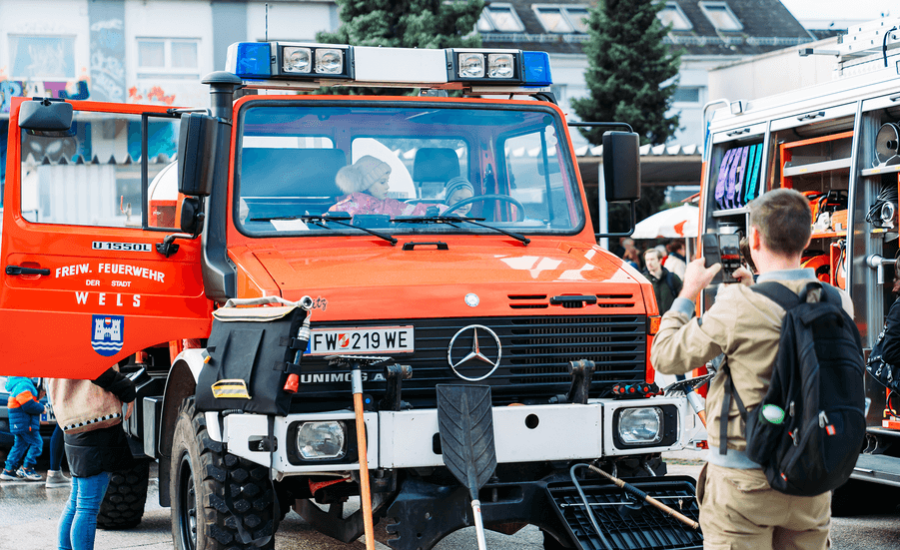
(25, 424)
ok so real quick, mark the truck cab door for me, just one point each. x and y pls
(82, 285)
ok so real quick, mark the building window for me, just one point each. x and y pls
(721, 16)
(686, 95)
(578, 16)
(559, 19)
(42, 57)
(500, 18)
(168, 58)
(671, 13)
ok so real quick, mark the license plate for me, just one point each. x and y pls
(338, 341)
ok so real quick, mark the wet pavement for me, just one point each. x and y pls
(29, 513)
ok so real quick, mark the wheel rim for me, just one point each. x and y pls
(187, 496)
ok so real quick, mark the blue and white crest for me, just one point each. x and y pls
(107, 334)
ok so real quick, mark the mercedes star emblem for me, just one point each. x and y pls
(480, 334)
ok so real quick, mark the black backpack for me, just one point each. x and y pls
(817, 380)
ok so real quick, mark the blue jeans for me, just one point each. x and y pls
(78, 523)
(28, 445)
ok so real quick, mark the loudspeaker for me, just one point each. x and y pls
(887, 144)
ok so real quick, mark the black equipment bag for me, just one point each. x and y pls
(256, 346)
(817, 380)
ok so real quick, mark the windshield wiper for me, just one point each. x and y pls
(453, 220)
(322, 221)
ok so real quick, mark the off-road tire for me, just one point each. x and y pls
(123, 505)
(226, 496)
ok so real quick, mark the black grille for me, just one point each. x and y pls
(632, 529)
(534, 358)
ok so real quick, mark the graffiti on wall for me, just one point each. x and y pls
(107, 19)
(36, 88)
(154, 95)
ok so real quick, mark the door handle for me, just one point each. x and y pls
(18, 270)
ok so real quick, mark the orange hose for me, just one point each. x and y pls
(365, 492)
(702, 415)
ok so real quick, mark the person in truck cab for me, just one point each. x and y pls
(459, 189)
(365, 184)
(738, 507)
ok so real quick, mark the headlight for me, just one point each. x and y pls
(297, 60)
(471, 65)
(329, 61)
(321, 440)
(640, 426)
(500, 65)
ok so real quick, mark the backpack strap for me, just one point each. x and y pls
(778, 293)
(832, 294)
(726, 408)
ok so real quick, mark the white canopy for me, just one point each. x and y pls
(674, 223)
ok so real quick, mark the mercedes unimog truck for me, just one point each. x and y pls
(171, 242)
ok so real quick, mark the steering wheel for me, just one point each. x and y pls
(520, 209)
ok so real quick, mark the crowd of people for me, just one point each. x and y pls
(663, 265)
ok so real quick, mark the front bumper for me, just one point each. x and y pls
(409, 439)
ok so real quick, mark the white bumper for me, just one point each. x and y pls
(406, 439)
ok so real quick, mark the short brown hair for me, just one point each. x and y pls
(784, 220)
(652, 250)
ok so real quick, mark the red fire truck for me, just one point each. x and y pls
(113, 254)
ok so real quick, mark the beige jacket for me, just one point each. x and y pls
(82, 406)
(746, 327)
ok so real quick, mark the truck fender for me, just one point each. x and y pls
(180, 384)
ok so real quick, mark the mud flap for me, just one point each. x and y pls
(625, 523)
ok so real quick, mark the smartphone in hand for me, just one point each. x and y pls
(722, 249)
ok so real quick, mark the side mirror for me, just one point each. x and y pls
(622, 166)
(45, 115)
(196, 154)
(191, 215)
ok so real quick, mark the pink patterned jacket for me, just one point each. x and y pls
(363, 203)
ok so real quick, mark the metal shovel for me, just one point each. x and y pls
(466, 426)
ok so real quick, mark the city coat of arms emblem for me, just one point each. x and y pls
(107, 334)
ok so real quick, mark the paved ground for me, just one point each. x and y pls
(29, 514)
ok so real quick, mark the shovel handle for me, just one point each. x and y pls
(365, 492)
(479, 524)
(644, 496)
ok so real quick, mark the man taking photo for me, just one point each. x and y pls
(738, 507)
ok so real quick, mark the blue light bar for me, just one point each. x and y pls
(537, 69)
(250, 60)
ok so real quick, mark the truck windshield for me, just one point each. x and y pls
(379, 163)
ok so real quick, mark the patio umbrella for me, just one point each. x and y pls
(674, 223)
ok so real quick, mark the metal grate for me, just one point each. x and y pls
(643, 528)
(535, 352)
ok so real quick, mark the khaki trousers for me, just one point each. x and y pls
(740, 511)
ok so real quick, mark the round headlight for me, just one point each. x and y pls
(471, 65)
(640, 426)
(329, 61)
(297, 60)
(321, 440)
(500, 65)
